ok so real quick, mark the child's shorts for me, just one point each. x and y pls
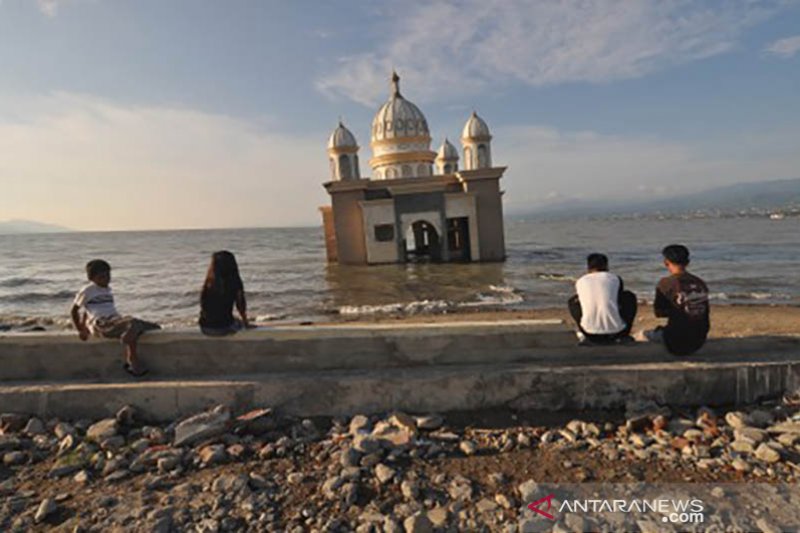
(125, 328)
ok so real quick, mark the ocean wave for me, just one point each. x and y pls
(756, 295)
(555, 276)
(499, 295)
(21, 282)
(37, 297)
(409, 308)
(496, 296)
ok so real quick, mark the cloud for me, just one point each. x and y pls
(89, 163)
(49, 7)
(547, 165)
(785, 48)
(465, 46)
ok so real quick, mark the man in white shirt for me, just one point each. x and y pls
(603, 310)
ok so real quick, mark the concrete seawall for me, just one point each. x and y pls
(340, 370)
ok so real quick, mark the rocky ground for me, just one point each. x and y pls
(395, 473)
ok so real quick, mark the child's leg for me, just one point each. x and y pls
(129, 339)
(132, 357)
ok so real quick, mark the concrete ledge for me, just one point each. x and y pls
(438, 388)
(182, 355)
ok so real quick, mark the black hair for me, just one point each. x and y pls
(223, 274)
(676, 253)
(95, 267)
(597, 262)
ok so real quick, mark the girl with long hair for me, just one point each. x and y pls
(222, 290)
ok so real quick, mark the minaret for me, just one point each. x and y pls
(476, 141)
(446, 158)
(343, 154)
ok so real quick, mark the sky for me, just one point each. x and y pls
(153, 114)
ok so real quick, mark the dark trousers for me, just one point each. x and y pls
(627, 311)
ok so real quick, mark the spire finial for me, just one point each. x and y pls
(395, 83)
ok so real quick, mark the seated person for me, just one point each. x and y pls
(222, 289)
(93, 313)
(681, 298)
(603, 310)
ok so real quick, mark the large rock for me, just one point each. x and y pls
(230, 484)
(256, 422)
(12, 422)
(10, 443)
(359, 424)
(430, 422)
(767, 454)
(403, 421)
(529, 491)
(105, 429)
(384, 474)
(201, 427)
(418, 523)
(786, 427)
(35, 427)
(736, 419)
(753, 434)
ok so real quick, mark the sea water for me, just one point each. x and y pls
(158, 274)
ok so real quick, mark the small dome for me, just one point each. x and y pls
(398, 117)
(342, 138)
(475, 128)
(447, 152)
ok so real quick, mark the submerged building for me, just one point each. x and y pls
(418, 205)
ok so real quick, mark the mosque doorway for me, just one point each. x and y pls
(422, 243)
(458, 239)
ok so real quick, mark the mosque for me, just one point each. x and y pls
(418, 205)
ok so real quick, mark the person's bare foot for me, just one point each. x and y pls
(135, 371)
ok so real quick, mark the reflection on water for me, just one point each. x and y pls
(382, 285)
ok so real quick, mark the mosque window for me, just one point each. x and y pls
(407, 172)
(345, 171)
(384, 232)
(483, 156)
(422, 170)
(448, 169)
(391, 173)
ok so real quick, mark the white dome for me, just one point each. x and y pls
(447, 152)
(475, 128)
(342, 138)
(398, 117)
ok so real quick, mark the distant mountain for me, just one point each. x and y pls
(758, 197)
(29, 226)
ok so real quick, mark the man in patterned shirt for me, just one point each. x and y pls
(681, 298)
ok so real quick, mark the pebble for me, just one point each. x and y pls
(468, 447)
(740, 465)
(15, 458)
(46, 508)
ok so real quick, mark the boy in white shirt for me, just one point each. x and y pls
(93, 313)
(603, 310)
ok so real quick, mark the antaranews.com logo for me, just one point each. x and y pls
(673, 511)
